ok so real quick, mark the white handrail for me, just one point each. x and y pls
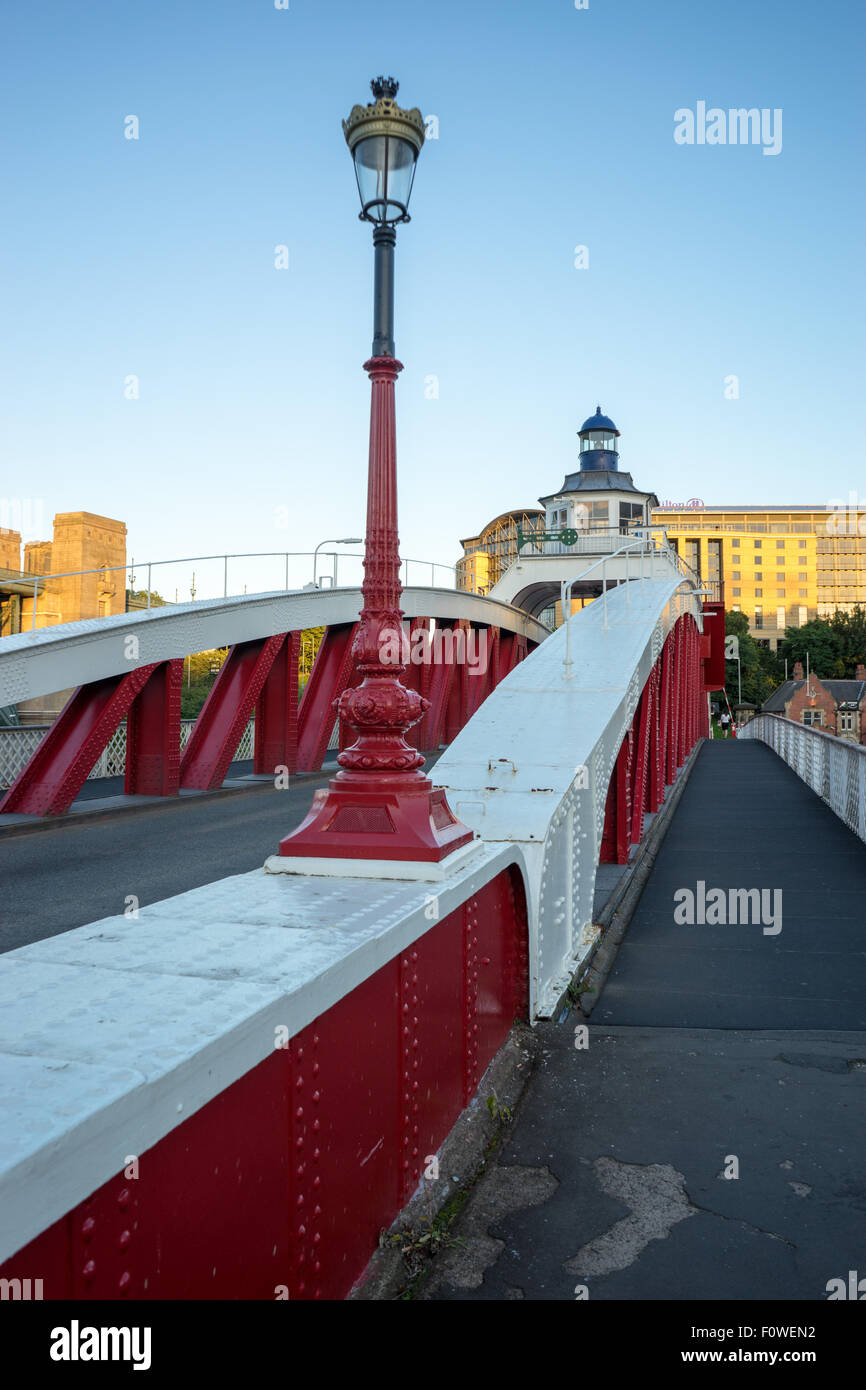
(645, 545)
(194, 559)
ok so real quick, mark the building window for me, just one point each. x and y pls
(802, 576)
(757, 544)
(759, 593)
(801, 617)
(736, 593)
(780, 545)
(780, 576)
(813, 717)
(735, 608)
(803, 593)
(780, 593)
(759, 617)
(780, 618)
(802, 545)
(845, 722)
(735, 542)
(735, 574)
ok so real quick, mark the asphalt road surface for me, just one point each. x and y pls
(66, 875)
(54, 879)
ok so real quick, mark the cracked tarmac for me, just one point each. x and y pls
(670, 1160)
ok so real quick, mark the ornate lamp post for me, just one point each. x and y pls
(380, 805)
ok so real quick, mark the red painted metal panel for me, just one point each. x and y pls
(331, 674)
(501, 946)
(153, 734)
(430, 1046)
(276, 740)
(226, 712)
(47, 1258)
(345, 1130)
(50, 782)
(288, 1176)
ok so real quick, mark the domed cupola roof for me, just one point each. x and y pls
(599, 422)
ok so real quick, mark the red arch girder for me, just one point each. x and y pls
(664, 729)
(260, 675)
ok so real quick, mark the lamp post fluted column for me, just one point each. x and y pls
(380, 805)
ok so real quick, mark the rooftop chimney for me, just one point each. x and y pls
(799, 673)
(860, 673)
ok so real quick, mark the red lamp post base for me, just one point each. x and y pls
(402, 817)
(381, 806)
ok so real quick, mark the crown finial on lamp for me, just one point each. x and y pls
(384, 87)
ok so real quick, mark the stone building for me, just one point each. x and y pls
(81, 573)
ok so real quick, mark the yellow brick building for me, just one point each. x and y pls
(780, 566)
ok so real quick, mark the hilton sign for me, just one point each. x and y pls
(694, 504)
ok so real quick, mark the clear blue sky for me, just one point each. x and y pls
(156, 258)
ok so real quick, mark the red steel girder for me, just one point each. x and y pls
(50, 782)
(276, 740)
(617, 812)
(656, 781)
(643, 726)
(332, 673)
(432, 724)
(456, 713)
(226, 712)
(153, 734)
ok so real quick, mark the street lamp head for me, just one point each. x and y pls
(384, 141)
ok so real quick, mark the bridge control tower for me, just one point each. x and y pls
(597, 511)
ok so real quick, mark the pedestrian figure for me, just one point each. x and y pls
(726, 719)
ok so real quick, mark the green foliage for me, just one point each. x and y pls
(500, 1113)
(199, 673)
(137, 598)
(821, 642)
(850, 630)
(759, 666)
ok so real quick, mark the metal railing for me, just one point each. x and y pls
(834, 767)
(645, 545)
(285, 555)
(17, 746)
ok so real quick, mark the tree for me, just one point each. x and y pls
(199, 673)
(821, 643)
(137, 598)
(757, 664)
(850, 628)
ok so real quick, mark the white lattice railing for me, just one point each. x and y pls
(835, 768)
(17, 746)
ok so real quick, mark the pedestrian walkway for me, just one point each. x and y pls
(710, 1140)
